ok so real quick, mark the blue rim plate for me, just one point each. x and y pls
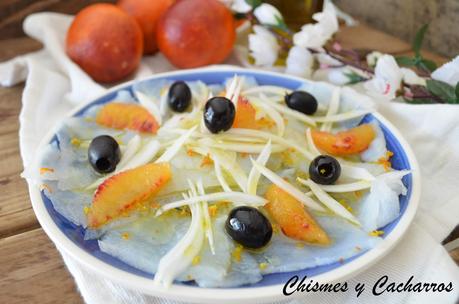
(70, 238)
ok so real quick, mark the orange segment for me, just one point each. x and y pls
(245, 115)
(127, 116)
(348, 142)
(126, 191)
(293, 218)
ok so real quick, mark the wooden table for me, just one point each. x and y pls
(31, 270)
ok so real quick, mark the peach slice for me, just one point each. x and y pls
(293, 218)
(127, 116)
(348, 142)
(245, 115)
(127, 191)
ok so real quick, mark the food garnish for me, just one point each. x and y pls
(104, 154)
(179, 96)
(301, 101)
(293, 218)
(219, 113)
(127, 116)
(324, 170)
(249, 227)
(126, 191)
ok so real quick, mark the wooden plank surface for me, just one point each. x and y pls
(16, 214)
(32, 270)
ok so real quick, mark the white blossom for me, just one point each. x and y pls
(373, 57)
(348, 19)
(326, 61)
(387, 79)
(316, 35)
(299, 62)
(449, 72)
(338, 76)
(268, 15)
(263, 46)
(240, 6)
(410, 77)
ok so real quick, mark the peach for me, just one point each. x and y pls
(245, 115)
(127, 116)
(348, 142)
(147, 14)
(125, 192)
(293, 218)
(195, 33)
(105, 42)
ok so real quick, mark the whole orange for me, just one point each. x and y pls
(194, 33)
(147, 14)
(105, 42)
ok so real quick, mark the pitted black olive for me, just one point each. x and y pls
(219, 114)
(302, 102)
(104, 154)
(179, 96)
(324, 170)
(249, 227)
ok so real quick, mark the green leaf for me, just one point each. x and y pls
(405, 61)
(254, 3)
(281, 23)
(428, 65)
(442, 90)
(354, 77)
(457, 90)
(419, 38)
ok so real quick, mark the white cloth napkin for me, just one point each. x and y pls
(54, 85)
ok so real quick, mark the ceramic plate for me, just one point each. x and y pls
(69, 237)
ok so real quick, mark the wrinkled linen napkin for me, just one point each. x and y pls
(55, 85)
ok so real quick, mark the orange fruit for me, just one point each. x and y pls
(195, 33)
(147, 14)
(105, 42)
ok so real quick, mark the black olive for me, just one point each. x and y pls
(324, 170)
(302, 102)
(249, 227)
(179, 97)
(104, 154)
(219, 114)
